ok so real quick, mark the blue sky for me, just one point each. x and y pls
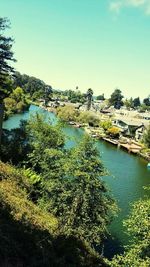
(98, 44)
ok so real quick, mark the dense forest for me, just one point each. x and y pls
(55, 208)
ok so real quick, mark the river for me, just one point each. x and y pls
(128, 174)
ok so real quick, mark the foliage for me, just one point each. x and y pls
(129, 103)
(89, 95)
(89, 117)
(100, 97)
(136, 102)
(15, 145)
(31, 85)
(143, 108)
(28, 235)
(10, 105)
(146, 101)
(146, 137)
(16, 102)
(113, 131)
(116, 99)
(106, 124)
(6, 56)
(138, 227)
(80, 199)
(42, 137)
(74, 96)
(67, 113)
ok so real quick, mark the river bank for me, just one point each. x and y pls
(128, 144)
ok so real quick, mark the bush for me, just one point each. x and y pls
(114, 132)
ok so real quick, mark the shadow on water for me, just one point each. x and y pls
(112, 246)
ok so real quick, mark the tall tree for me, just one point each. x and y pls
(89, 98)
(116, 99)
(6, 56)
(48, 92)
(136, 102)
(146, 101)
(81, 201)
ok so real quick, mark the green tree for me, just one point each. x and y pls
(137, 254)
(81, 201)
(6, 56)
(42, 137)
(100, 97)
(47, 93)
(89, 95)
(146, 101)
(67, 113)
(146, 137)
(17, 94)
(106, 124)
(136, 102)
(10, 105)
(128, 103)
(116, 99)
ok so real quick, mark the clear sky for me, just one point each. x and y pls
(98, 44)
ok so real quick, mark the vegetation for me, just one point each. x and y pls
(116, 99)
(68, 113)
(80, 200)
(32, 86)
(136, 102)
(146, 137)
(100, 97)
(138, 227)
(6, 56)
(17, 102)
(29, 235)
(73, 96)
(106, 124)
(114, 132)
(89, 95)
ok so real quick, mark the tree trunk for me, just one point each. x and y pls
(1, 120)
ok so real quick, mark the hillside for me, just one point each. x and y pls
(28, 235)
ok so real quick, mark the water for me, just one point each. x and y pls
(127, 175)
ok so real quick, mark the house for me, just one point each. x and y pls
(139, 132)
(128, 126)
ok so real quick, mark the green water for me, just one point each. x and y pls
(127, 175)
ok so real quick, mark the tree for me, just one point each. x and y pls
(146, 101)
(89, 95)
(67, 113)
(81, 201)
(42, 137)
(17, 94)
(138, 227)
(113, 132)
(136, 102)
(100, 97)
(6, 56)
(116, 99)
(48, 91)
(146, 137)
(128, 103)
